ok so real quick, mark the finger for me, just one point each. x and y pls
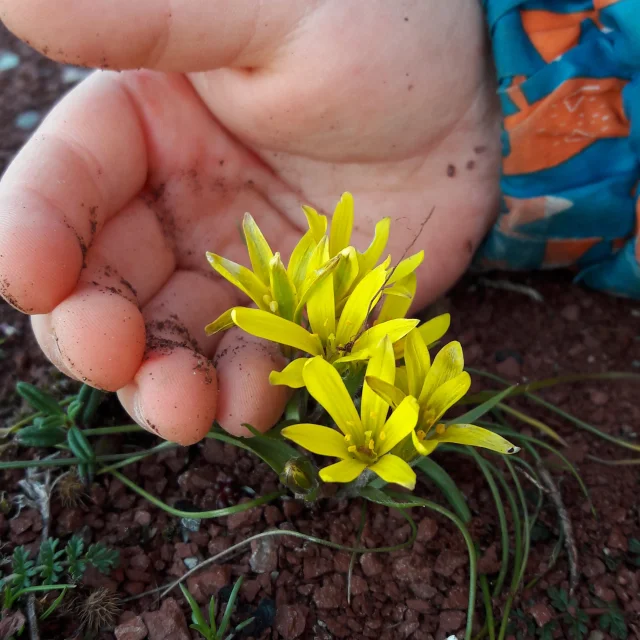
(183, 35)
(243, 364)
(174, 393)
(97, 334)
(79, 169)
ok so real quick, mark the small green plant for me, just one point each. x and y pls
(209, 630)
(634, 551)
(52, 566)
(572, 617)
(612, 621)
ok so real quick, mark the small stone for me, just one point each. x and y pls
(133, 629)
(593, 568)
(602, 590)
(371, 564)
(183, 550)
(596, 635)
(328, 596)
(509, 368)
(489, 562)
(8, 60)
(142, 518)
(291, 621)
(12, 623)
(421, 606)
(272, 515)
(27, 120)
(204, 584)
(264, 555)
(168, 623)
(571, 313)
(451, 621)
(359, 585)
(406, 629)
(541, 613)
(448, 561)
(458, 598)
(21, 523)
(243, 518)
(133, 588)
(191, 562)
(427, 530)
(315, 567)
(599, 397)
(617, 540)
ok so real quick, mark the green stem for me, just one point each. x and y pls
(215, 513)
(488, 607)
(106, 431)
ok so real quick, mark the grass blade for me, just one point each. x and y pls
(445, 483)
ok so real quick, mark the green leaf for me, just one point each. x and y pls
(23, 567)
(41, 436)
(48, 559)
(477, 412)
(634, 545)
(196, 614)
(274, 451)
(79, 445)
(91, 399)
(54, 605)
(38, 399)
(226, 618)
(445, 483)
(102, 558)
(76, 565)
(559, 598)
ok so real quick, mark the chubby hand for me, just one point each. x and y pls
(108, 211)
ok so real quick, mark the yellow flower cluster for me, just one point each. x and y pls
(320, 307)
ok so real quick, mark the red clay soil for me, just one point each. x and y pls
(298, 590)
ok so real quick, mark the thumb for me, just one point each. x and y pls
(180, 36)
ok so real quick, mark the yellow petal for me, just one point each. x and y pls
(282, 288)
(448, 363)
(359, 305)
(341, 225)
(395, 470)
(405, 267)
(446, 395)
(401, 380)
(343, 471)
(326, 386)
(474, 436)
(221, 323)
(240, 277)
(395, 329)
(417, 360)
(260, 253)
(300, 256)
(399, 425)
(291, 375)
(423, 447)
(317, 223)
(354, 356)
(317, 439)
(398, 306)
(381, 366)
(432, 330)
(388, 392)
(271, 327)
(345, 275)
(315, 278)
(321, 303)
(373, 253)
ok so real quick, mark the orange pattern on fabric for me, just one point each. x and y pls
(525, 210)
(562, 253)
(601, 4)
(553, 34)
(564, 123)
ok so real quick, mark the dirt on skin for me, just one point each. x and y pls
(298, 590)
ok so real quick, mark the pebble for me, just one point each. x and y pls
(458, 598)
(142, 518)
(315, 567)
(598, 397)
(328, 596)
(489, 562)
(427, 530)
(27, 120)
(509, 368)
(571, 313)
(291, 621)
(243, 518)
(133, 628)
(617, 540)
(207, 583)
(371, 564)
(448, 561)
(264, 555)
(168, 623)
(541, 613)
(451, 620)
(8, 60)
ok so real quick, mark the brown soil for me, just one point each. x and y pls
(299, 590)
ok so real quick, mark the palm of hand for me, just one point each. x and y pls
(107, 213)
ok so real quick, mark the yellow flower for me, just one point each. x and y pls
(437, 387)
(273, 288)
(366, 439)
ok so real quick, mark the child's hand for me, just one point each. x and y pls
(106, 214)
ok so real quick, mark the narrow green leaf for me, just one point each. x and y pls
(226, 618)
(40, 400)
(448, 487)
